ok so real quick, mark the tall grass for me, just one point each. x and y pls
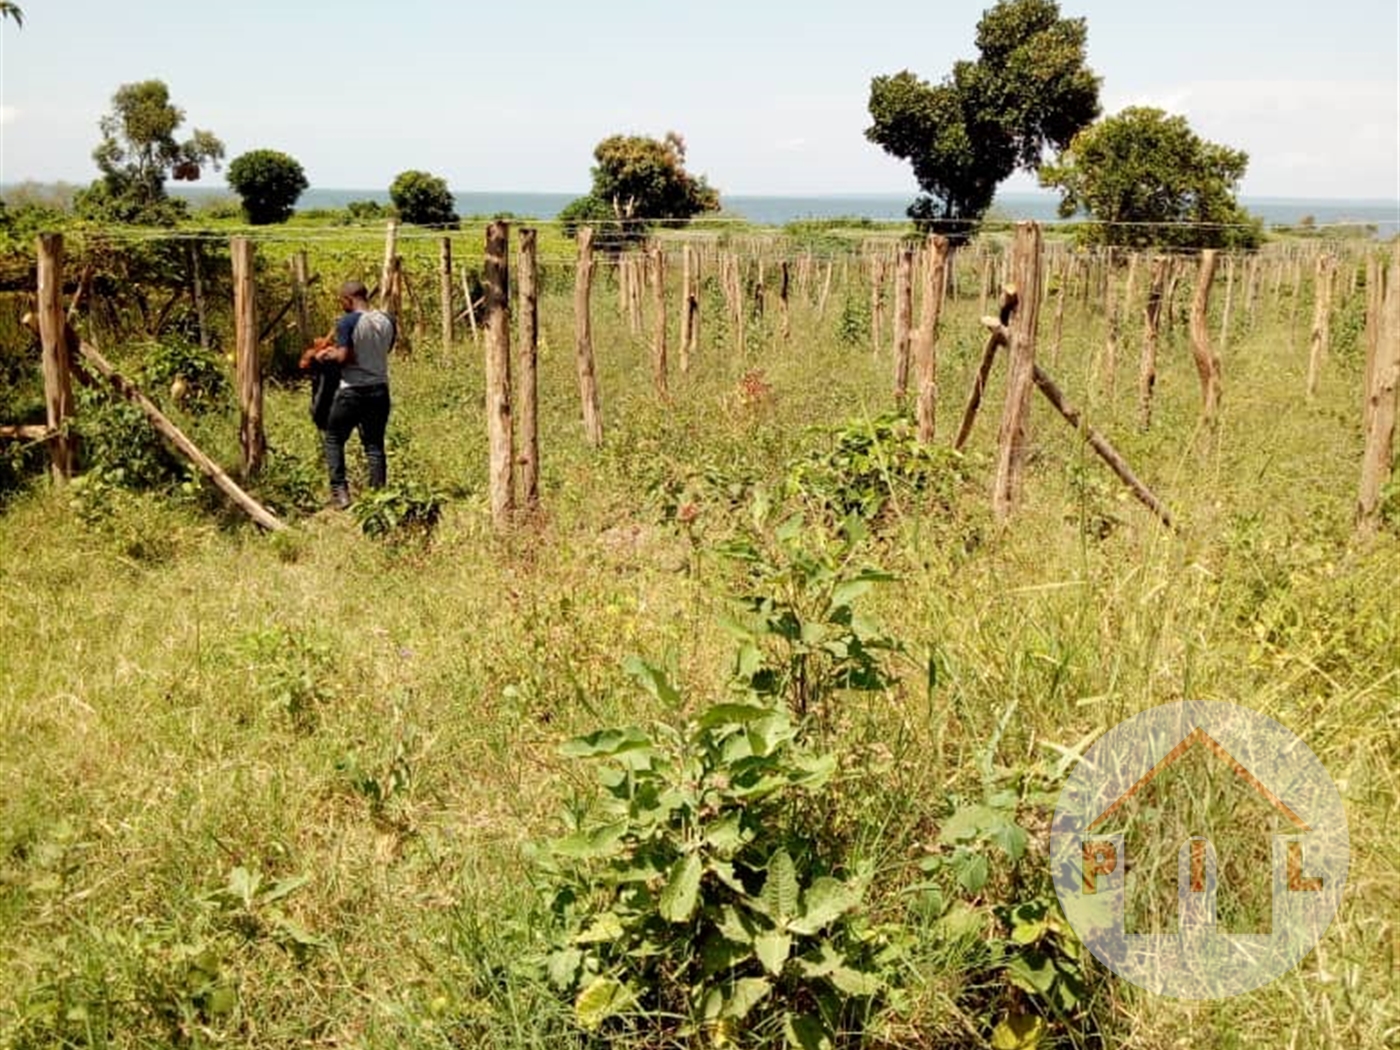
(182, 698)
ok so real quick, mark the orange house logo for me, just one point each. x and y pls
(1119, 831)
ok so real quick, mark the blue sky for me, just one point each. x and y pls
(771, 98)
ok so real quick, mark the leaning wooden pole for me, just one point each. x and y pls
(1383, 388)
(926, 339)
(1207, 362)
(999, 328)
(529, 370)
(206, 466)
(1012, 441)
(498, 393)
(58, 387)
(583, 339)
(252, 441)
(1100, 444)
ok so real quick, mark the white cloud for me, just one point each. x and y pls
(1333, 138)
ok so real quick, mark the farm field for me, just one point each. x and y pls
(296, 789)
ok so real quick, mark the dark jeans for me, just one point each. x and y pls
(363, 408)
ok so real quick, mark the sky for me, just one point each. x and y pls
(770, 97)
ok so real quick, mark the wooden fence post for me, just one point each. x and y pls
(58, 386)
(1382, 389)
(690, 307)
(1322, 314)
(583, 339)
(877, 301)
(784, 316)
(386, 273)
(301, 283)
(251, 438)
(1207, 362)
(1012, 437)
(658, 342)
(197, 291)
(903, 321)
(1229, 302)
(498, 393)
(445, 284)
(926, 340)
(529, 370)
(1152, 321)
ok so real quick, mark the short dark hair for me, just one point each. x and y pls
(354, 290)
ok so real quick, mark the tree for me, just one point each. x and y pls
(10, 10)
(638, 181)
(1029, 90)
(1148, 179)
(139, 150)
(423, 199)
(269, 183)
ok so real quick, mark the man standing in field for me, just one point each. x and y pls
(363, 339)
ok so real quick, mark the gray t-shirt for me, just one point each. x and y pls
(370, 336)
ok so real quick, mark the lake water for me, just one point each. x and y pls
(885, 207)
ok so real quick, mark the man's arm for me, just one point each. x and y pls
(343, 352)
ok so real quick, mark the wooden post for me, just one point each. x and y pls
(251, 438)
(1322, 314)
(498, 393)
(826, 291)
(1152, 319)
(903, 322)
(760, 293)
(197, 293)
(926, 341)
(634, 293)
(690, 305)
(1057, 335)
(1012, 437)
(996, 337)
(583, 339)
(301, 282)
(1382, 389)
(471, 306)
(1110, 348)
(658, 341)
(1229, 302)
(785, 317)
(386, 273)
(1207, 362)
(58, 387)
(877, 301)
(529, 370)
(445, 289)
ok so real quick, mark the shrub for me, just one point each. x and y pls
(269, 183)
(423, 199)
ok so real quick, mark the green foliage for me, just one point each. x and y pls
(638, 182)
(853, 322)
(874, 466)
(423, 199)
(139, 151)
(365, 211)
(1147, 179)
(694, 896)
(398, 512)
(269, 183)
(196, 378)
(1028, 90)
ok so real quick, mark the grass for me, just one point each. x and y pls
(182, 698)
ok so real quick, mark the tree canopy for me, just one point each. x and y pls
(139, 151)
(423, 199)
(639, 181)
(1148, 179)
(269, 182)
(1029, 90)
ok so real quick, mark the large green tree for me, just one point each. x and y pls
(1147, 179)
(423, 199)
(269, 182)
(1028, 90)
(637, 182)
(139, 151)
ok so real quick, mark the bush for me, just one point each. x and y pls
(269, 183)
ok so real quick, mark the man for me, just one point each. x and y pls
(363, 339)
